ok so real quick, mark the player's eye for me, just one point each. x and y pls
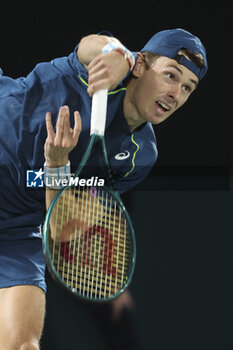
(171, 76)
(187, 88)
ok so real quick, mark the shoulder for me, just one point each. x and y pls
(41, 74)
(46, 71)
(61, 66)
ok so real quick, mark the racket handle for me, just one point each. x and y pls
(98, 112)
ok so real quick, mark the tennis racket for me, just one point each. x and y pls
(89, 241)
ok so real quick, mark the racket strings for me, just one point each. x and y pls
(90, 244)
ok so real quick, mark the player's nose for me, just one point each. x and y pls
(175, 94)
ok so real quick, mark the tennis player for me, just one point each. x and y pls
(145, 88)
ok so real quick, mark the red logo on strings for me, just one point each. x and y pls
(107, 250)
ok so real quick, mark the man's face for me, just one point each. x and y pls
(162, 89)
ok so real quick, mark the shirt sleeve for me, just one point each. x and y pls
(77, 66)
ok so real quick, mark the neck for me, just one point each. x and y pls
(131, 113)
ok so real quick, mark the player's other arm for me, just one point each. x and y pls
(59, 144)
(105, 69)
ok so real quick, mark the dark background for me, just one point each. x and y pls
(182, 212)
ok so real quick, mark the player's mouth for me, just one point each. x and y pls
(162, 107)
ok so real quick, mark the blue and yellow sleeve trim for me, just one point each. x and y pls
(109, 93)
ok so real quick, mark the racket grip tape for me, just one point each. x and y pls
(98, 112)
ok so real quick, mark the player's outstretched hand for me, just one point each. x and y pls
(59, 144)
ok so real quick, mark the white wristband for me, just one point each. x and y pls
(118, 46)
(56, 178)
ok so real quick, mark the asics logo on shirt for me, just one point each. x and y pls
(122, 155)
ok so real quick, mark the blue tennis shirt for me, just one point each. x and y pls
(23, 105)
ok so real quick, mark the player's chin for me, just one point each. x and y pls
(158, 119)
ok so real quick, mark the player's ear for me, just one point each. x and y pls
(139, 66)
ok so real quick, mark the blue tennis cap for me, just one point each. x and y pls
(169, 42)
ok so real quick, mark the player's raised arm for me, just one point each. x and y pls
(106, 60)
(91, 46)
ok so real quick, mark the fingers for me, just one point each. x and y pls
(94, 63)
(101, 84)
(65, 136)
(62, 126)
(99, 75)
(59, 144)
(106, 71)
(66, 126)
(77, 127)
(49, 127)
(96, 68)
